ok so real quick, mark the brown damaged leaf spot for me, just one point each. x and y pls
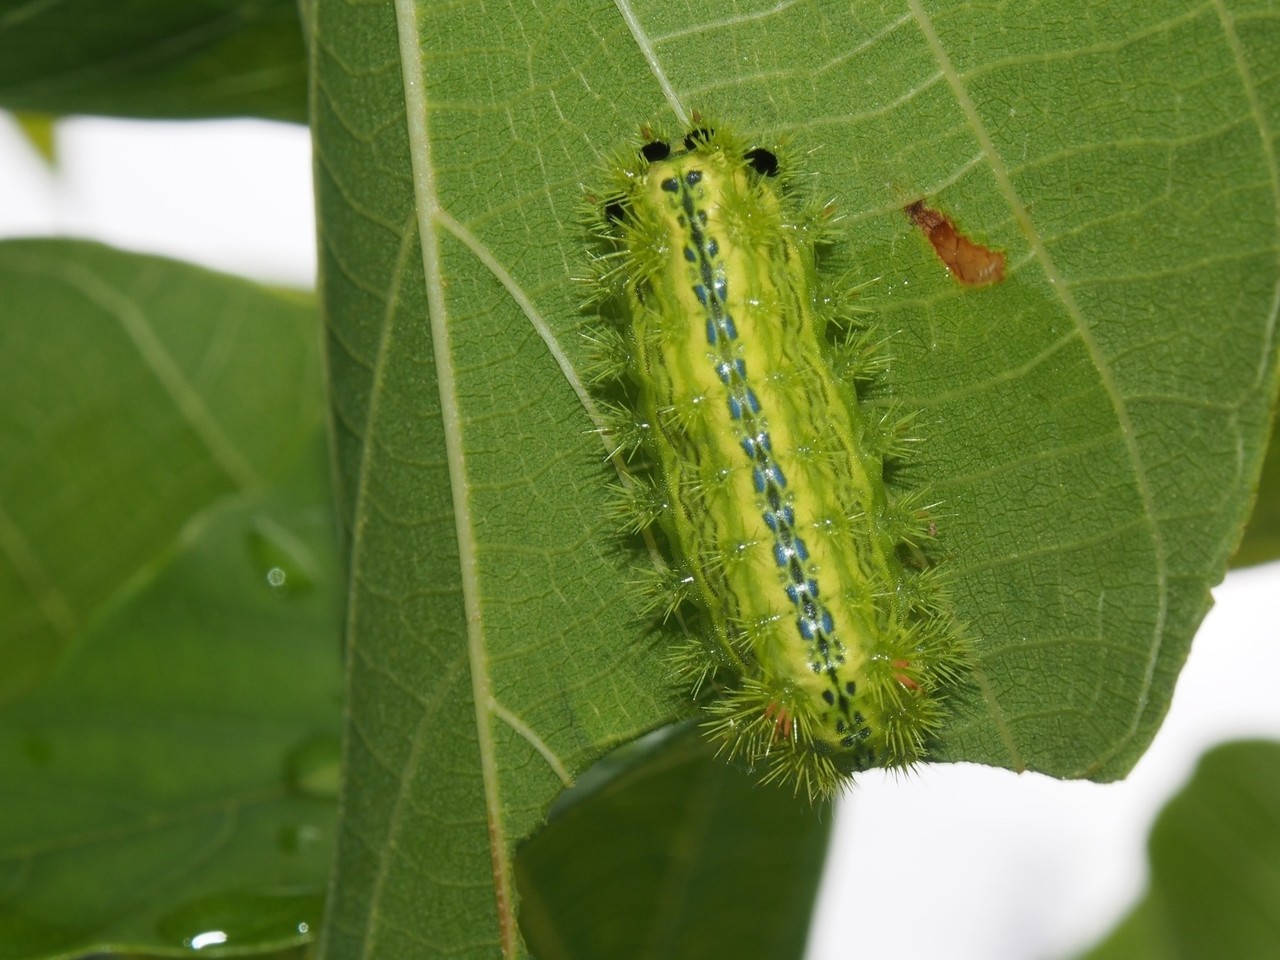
(971, 263)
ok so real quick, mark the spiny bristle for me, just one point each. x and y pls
(820, 220)
(608, 359)
(860, 357)
(625, 433)
(904, 519)
(698, 660)
(607, 279)
(753, 726)
(822, 451)
(888, 432)
(921, 594)
(665, 590)
(705, 486)
(688, 416)
(638, 504)
(813, 774)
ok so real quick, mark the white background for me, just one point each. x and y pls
(956, 862)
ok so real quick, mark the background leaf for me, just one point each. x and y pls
(154, 58)
(186, 758)
(674, 823)
(133, 393)
(1094, 425)
(1215, 887)
(1261, 541)
(37, 128)
(163, 490)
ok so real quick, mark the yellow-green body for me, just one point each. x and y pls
(776, 510)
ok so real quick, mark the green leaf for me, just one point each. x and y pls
(1137, 938)
(154, 58)
(37, 128)
(163, 487)
(682, 876)
(1093, 426)
(134, 392)
(174, 784)
(1261, 542)
(1215, 885)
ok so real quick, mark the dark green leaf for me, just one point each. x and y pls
(668, 857)
(166, 517)
(1215, 865)
(154, 58)
(174, 784)
(1261, 542)
(1138, 937)
(134, 392)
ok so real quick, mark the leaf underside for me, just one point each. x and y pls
(1092, 426)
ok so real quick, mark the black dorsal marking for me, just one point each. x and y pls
(763, 162)
(697, 136)
(656, 150)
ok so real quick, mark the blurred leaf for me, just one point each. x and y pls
(1138, 937)
(174, 784)
(680, 877)
(1215, 865)
(38, 129)
(154, 58)
(1094, 425)
(134, 392)
(164, 494)
(1261, 542)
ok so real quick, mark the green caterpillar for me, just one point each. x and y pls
(729, 375)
